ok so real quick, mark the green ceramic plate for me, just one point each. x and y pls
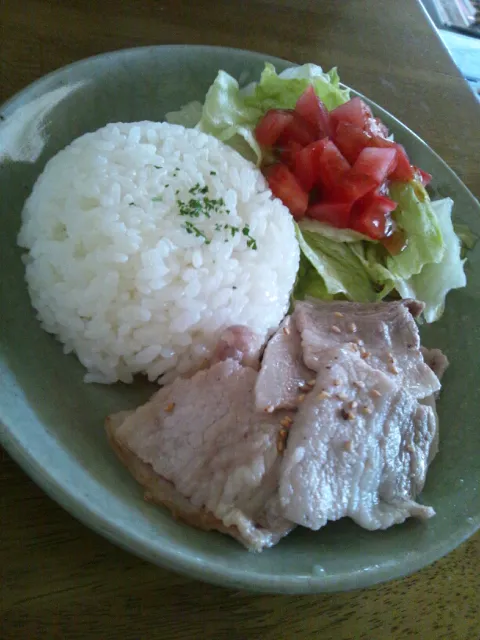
(53, 422)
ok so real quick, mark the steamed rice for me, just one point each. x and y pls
(112, 271)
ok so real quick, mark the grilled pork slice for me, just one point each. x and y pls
(438, 363)
(200, 448)
(157, 489)
(385, 335)
(359, 444)
(359, 447)
(283, 372)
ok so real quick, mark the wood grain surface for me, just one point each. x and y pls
(58, 579)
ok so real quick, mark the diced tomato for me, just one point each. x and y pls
(272, 125)
(288, 152)
(355, 111)
(403, 171)
(298, 130)
(355, 128)
(424, 177)
(285, 186)
(333, 213)
(370, 215)
(342, 181)
(353, 187)
(311, 108)
(305, 168)
(351, 140)
(371, 223)
(332, 166)
(376, 163)
(306, 163)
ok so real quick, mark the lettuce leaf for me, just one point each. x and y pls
(415, 216)
(309, 282)
(466, 237)
(281, 91)
(364, 272)
(226, 116)
(338, 266)
(372, 258)
(326, 230)
(188, 116)
(436, 279)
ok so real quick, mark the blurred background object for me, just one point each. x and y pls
(458, 23)
(462, 15)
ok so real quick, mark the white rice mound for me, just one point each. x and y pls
(112, 271)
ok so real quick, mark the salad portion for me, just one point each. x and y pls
(366, 226)
(336, 167)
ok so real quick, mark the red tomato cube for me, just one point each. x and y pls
(355, 112)
(285, 186)
(403, 171)
(376, 163)
(333, 213)
(311, 108)
(298, 130)
(351, 140)
(371, 224)
(306, 164)
(370, 215)
(332, 166)
(353, 187)
(271, 126)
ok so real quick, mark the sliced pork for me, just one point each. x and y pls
(340, 421)
(362, 440)
(385, 334)
(438, 363)
(359, 447)
(283, 374)
(159, 490)
(200, 448)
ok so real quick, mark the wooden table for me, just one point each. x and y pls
(58, 579)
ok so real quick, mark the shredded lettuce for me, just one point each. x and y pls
(372, 258)
(281, 91)
(415, 216)
(226, 116)
(436, 279)
(339, 267)
(188, 116)
(363, 271)
(326, 230)
(466, 237)
(309, 282)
